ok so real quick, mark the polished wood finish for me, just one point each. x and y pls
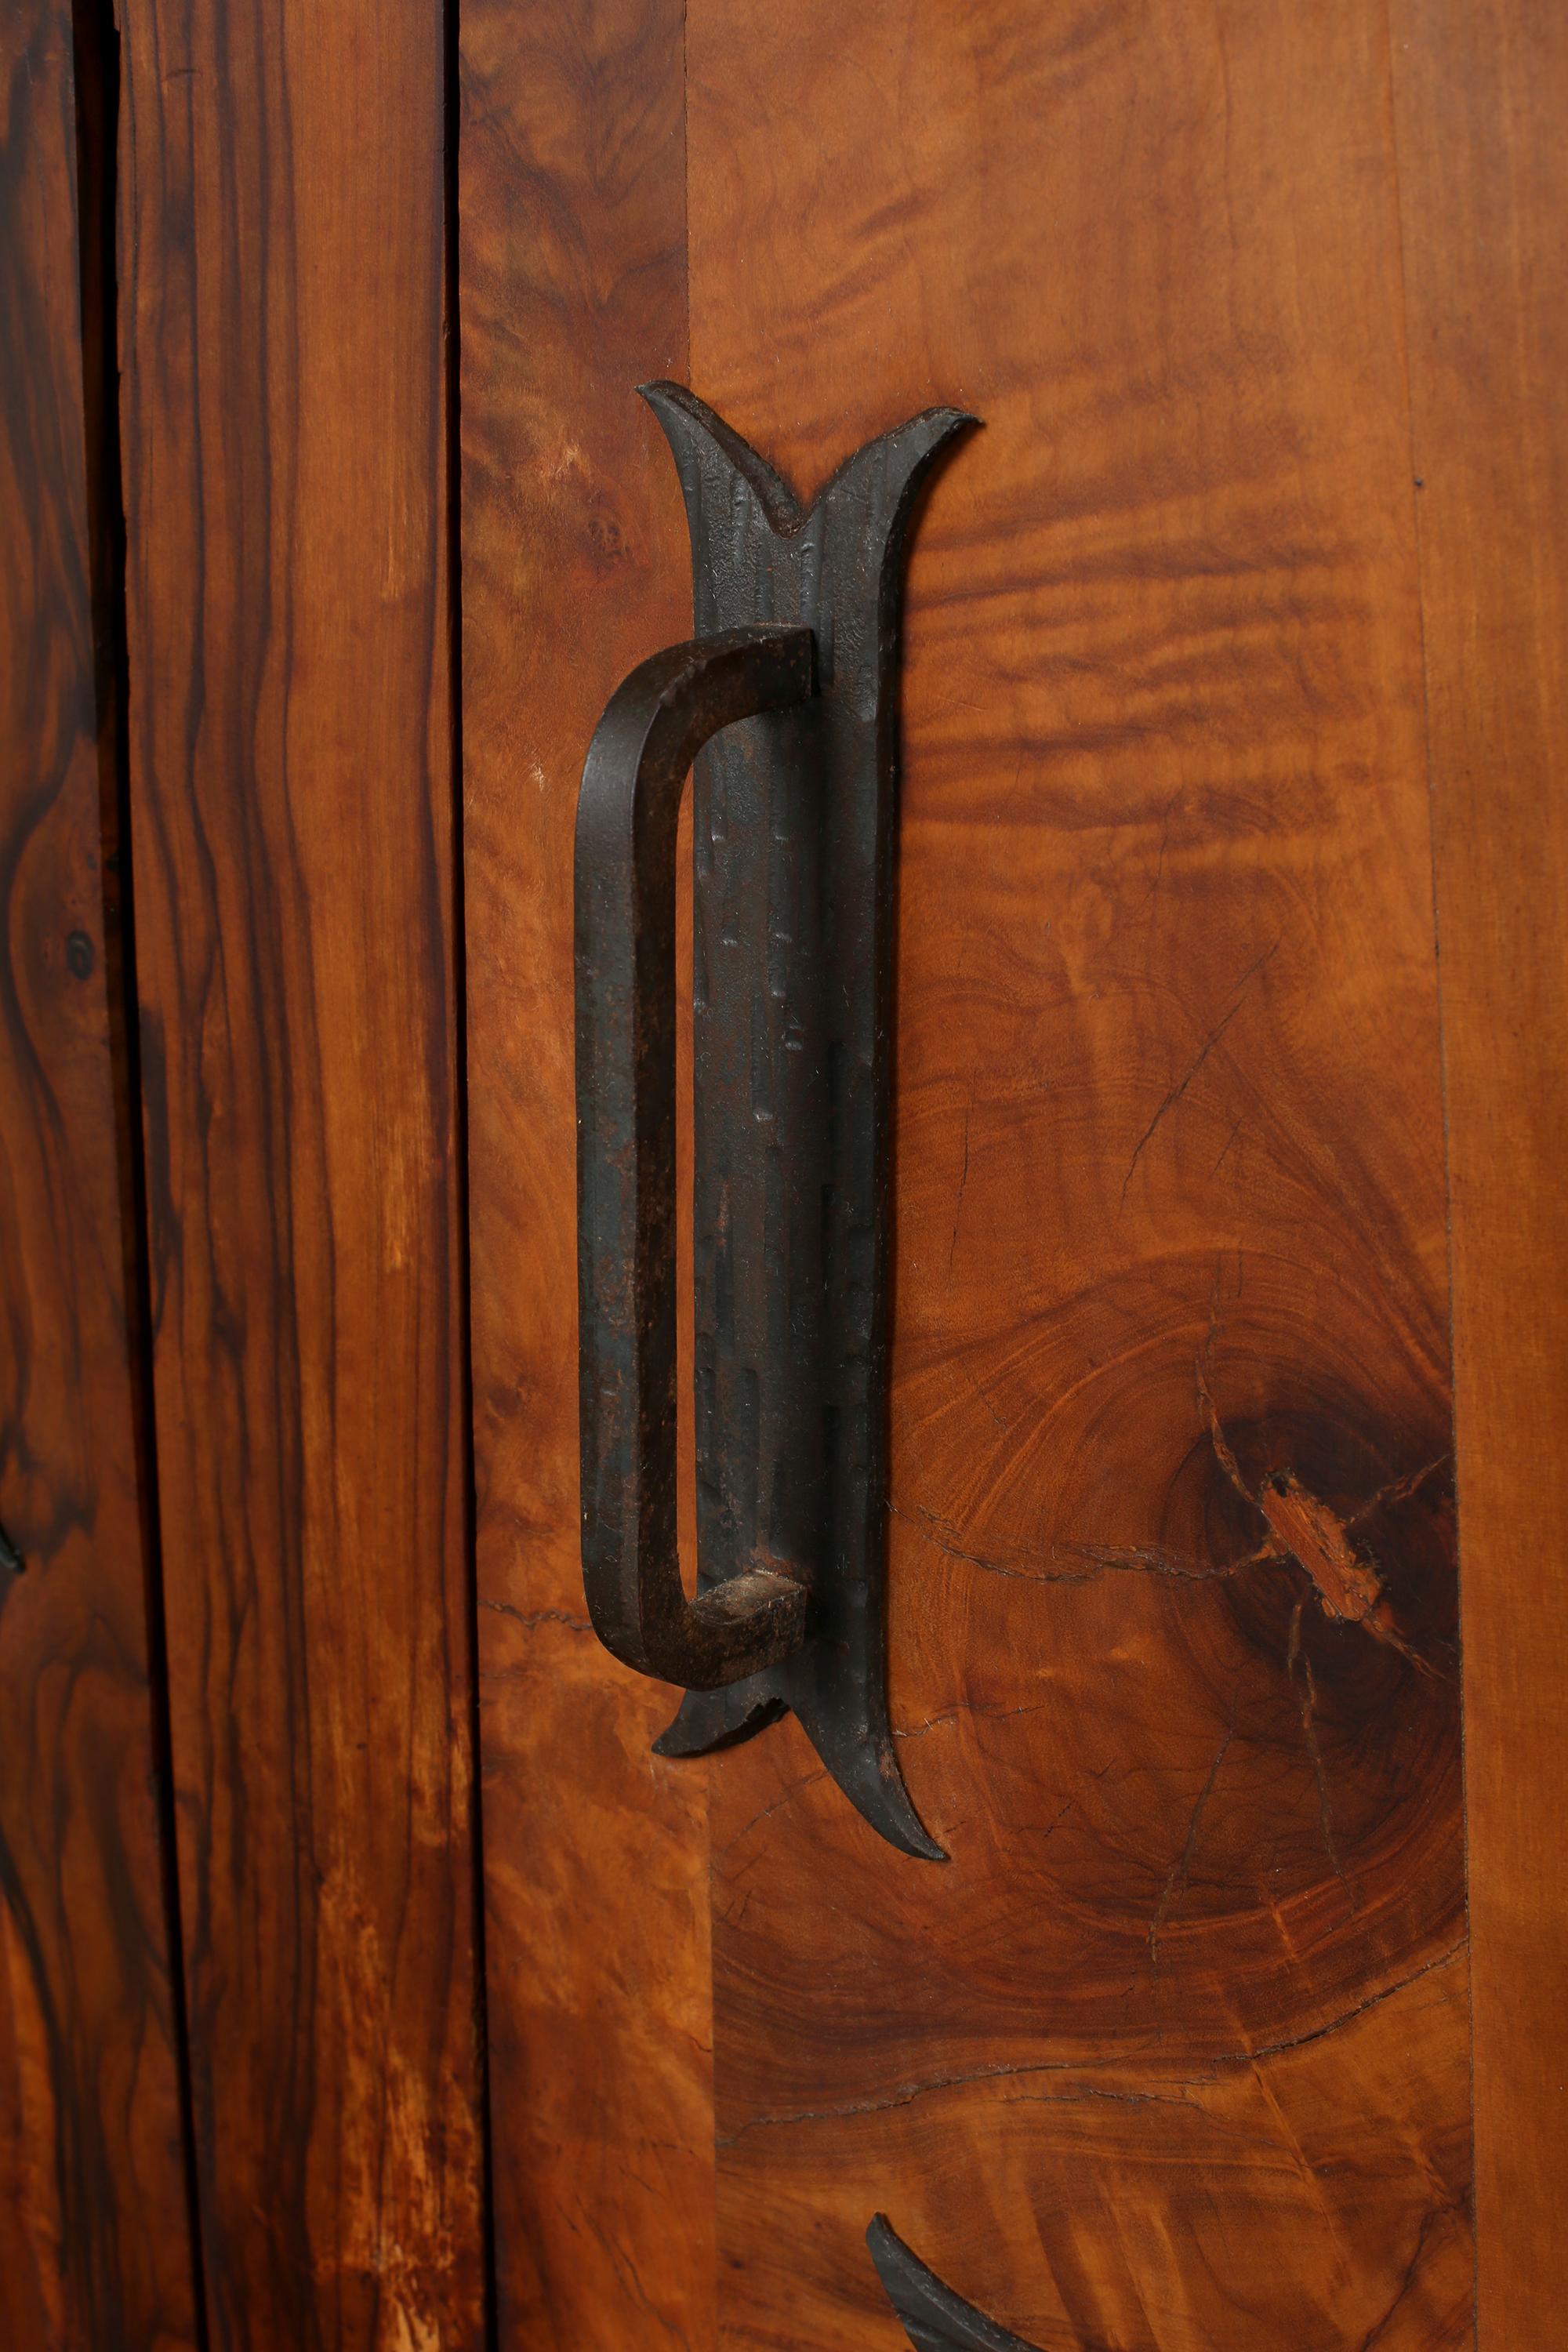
(572, 208)
(95, 2245)
(1239, 624)
(1175, 2050)
(1261, 541)
(1480, 94)
(285, 463)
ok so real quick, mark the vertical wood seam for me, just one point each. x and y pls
(1403, 332)
(95, 43)
(452, 456)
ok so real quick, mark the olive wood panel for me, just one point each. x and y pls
(286, 470)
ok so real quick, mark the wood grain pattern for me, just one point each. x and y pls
(574, 567)
(1480, 94)
(1175, 2051)
(282, 321)
(95, 2247)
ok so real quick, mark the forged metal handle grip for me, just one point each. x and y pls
(652, 729)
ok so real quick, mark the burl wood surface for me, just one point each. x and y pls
(1481, 95)
(282, 325)
(1175, 2053)
(95, 2247)
(572, 290)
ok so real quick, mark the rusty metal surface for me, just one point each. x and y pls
(795, 820)
(624, 949)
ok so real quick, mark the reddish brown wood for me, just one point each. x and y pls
(95, 2247)
(1175, 2050)
(1480, 95)
(574, 568)
(282, 321)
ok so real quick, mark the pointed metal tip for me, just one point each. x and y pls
(895, 1814)
(705, 1721)
(886, 1805)
(947, 422)
(914, 1839)
(945, 417)
(662, 392)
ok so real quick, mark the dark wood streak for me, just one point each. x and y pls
(95, 2249)
(292, 783)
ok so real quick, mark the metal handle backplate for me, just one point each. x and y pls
(789, 698)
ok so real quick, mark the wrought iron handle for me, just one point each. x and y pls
(794, 826)
(653, 726)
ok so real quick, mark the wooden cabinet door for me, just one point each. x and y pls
(1232, 627)
(1227, 1419)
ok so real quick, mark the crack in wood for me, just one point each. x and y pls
(1218, 2066)
(1175, 1885)
(1307, 1706)
(1175, 1093)
(531, 1618)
